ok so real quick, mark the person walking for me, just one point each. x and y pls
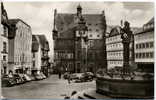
(69, 78)
(59, 75)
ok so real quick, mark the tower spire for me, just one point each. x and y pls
(79, 10)
(2, 6)
(55, 12)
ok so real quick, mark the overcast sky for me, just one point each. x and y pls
(39, 15)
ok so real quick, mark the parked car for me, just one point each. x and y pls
(75, 76)
(89, 76)
(84, 77)
(38, 76)
(23, 78)
(43, 76)
(31, 77)
(18, 79)
(27, 77)
(8, 81)
(66, 75)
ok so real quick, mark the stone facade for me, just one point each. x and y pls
(20, 41)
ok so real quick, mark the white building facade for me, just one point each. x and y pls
(36, 55)
(144, 47)
(20, 41)
(114, 48)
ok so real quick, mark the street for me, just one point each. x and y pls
(49, 88)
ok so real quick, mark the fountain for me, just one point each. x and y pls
(127, 83)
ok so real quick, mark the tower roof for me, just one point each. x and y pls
(79, 7)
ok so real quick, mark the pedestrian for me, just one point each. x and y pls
(59, 75)
(69, 78)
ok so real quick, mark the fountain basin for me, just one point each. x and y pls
(119, 88)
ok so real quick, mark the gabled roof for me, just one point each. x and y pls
(150, 21)
(43, 42)
(92, 18)
(15, 21)
(115, 31)
(66, 23)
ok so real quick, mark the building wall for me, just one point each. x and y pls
(38, 63)
(20, 47)
(1, 32)
(36, 60)
(4, 49)
(114, 49)
(66, 40)
(144, 47)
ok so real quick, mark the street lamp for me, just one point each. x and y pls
(82, 36)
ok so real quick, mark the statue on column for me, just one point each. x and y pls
(126, 35)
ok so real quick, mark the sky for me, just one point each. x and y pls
(40, 15)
